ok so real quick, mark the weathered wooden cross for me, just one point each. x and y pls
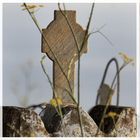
(62, 44)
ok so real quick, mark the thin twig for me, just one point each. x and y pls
(82, 46)
(110, 97)
(104, 113)
(106, 38)
(85, 38)
(113, 82)
(70, 95)
(76, 42)
(87, 28)
(116, 76)
(54, 92)
(49, 80)
(79, 49)
(78, 55)
(83, 43)
(99, 29)
(48, 77)
(102, 34)
(37, 25)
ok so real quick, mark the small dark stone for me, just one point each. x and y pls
(51, 118)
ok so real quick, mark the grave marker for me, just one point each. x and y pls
(62, 43)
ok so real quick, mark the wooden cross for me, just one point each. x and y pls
(61, 42)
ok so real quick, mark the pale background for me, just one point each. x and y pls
(22, 48)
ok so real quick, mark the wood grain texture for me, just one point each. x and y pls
(61, 41)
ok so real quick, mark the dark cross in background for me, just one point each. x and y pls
(62, 43)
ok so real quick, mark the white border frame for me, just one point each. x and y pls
(138, 66)
(75, 1)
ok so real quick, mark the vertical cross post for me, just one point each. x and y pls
(61, 42)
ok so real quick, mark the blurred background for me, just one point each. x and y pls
(24, 82)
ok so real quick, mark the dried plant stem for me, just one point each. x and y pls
(104, 114)
(37, 25)
(48, 77)
(110, 97)
(79, 49)
(102, 34)
(78, 55)
(87, 28)
(54, 93)
(83, 43)
(49, 80)
(112, 85)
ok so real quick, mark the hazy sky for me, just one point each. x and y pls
(22, 47)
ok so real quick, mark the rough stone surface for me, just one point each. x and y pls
(21, 122)
(126, 124)
(70, 126)
(122, 123)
